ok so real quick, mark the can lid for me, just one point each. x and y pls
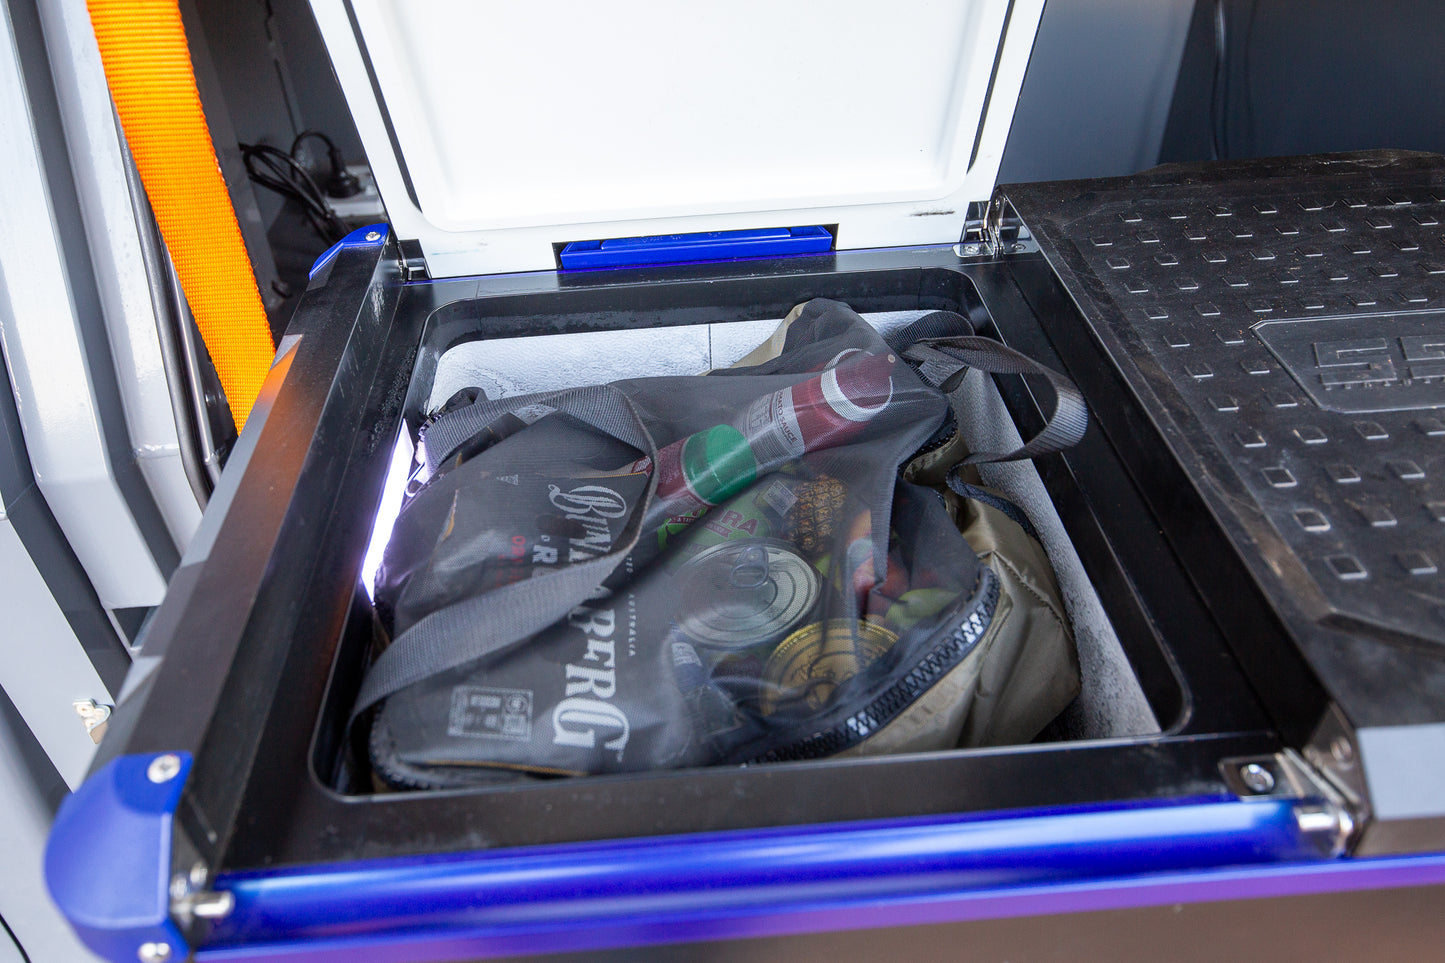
(816, 659)
(745, 592)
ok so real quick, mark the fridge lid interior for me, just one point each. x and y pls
(496, 131)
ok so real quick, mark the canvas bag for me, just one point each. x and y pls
(574, 588)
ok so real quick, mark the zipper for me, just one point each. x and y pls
(892, 701)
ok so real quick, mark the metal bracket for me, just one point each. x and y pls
(1333, 752)
(1323, 813)
(108, 857)
(414, 269)
(993, 228)
(95, 716)
(413, 261)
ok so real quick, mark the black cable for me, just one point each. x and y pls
(273, 168)
(312, 132)
(6, 926)
(341, 183)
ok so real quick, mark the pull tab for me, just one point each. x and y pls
(751, 570)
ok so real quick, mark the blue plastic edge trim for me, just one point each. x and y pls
(739, 884)
(356, 238)
(108, 858)
(704, 246)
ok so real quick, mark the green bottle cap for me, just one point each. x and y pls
(718, 463)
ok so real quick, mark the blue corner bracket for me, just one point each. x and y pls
(108, 859)
(704, 246)
(367, 236)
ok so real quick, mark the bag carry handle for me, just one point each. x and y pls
(487, 624)
(945, 360)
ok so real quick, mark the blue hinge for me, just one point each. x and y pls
(361, 237)
(108, 859)
(705, 246)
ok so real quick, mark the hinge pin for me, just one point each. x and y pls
(190, 898)
(1330, 821)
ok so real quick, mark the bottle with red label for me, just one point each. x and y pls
(706, 468)
(821, 412)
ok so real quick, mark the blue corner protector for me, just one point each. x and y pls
(108, 859)
(361, 237)
(705, 246)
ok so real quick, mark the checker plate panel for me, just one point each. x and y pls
(1301, 324)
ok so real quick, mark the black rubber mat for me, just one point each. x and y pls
(1298, 322)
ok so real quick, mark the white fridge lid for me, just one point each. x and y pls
(498, 130)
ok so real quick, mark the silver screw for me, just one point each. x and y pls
(198, 874)
(373, 235)
(164, 768)
(970, 249)
(1020, 247)
(1257, 778)
(1343, 752)
(154, 952)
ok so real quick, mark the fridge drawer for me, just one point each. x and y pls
(1230, 739)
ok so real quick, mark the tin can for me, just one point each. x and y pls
(744, 593)
(811, 663)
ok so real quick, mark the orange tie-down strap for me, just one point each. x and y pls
(148, 67)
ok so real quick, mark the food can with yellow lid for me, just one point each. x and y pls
(812, 662)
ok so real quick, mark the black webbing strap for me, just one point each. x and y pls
(494, 622)
(993, 500)
(945, 359)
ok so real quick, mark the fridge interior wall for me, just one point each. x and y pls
(1111, 704)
